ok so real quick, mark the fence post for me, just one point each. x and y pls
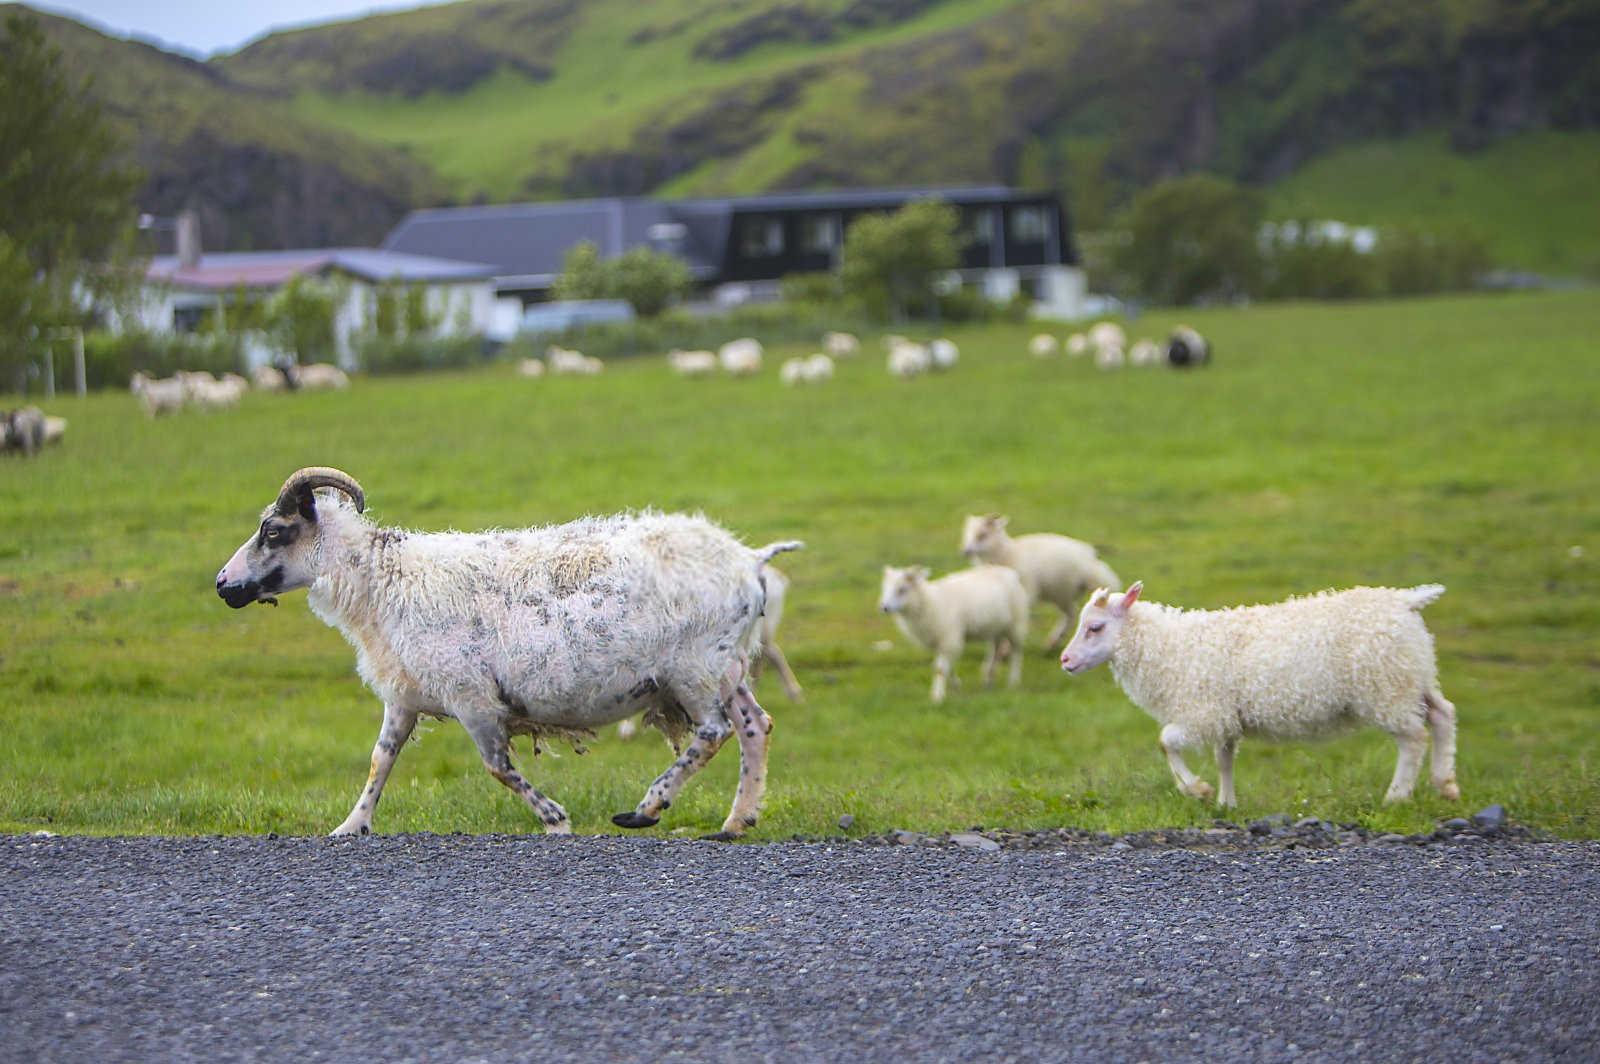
(49, 372)
(80, 378)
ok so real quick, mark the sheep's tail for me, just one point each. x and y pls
(1422, 595)
(772, 550)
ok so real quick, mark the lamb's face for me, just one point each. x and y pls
(1099, 627)
(279, 557)
(900, 586)
(980, 534)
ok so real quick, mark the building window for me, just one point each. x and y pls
(819, 234)
(761, 238)
(1030, 225)
(983, 227)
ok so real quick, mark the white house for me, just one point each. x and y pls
(181, 291)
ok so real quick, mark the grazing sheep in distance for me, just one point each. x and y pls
(692, 363)
(907, 359)
(159, 397)
(549, 632)
(1077, 345)
(1145, 353)
(269, 379)
(985, 602)
(1108, 334)
(28, 429)
(943, 354)
(320, 376)
(566, 362)
(1292, 669)
(841, 344)
(1109, 356)
(530, 367)
(1056, 569)
(813, 369)
(740, 357)
(1186, 347)
(217, 395)
(1043, 346)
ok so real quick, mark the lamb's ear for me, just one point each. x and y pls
(1100, 599)
(1130, 596)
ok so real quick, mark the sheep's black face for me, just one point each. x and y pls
(277, 558)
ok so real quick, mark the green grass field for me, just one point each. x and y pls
(1394, 443)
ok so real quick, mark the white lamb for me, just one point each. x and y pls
(1146, 353)
(1108, 334)
(692, 363)
(1056, 569)
(165, 396)
(1077, 345)
(741, 357)
(1043, 346)
(907, 359)
(1292, 669)
(841, 344)
(943, 353)
(986, 602)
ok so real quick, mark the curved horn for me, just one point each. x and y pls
(303, 482)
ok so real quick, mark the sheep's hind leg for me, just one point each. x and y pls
(753, 728)
(1174, 740)
(1225, 752)
(1412, 746)
(791, 686)
(1442, 719)
(1059, 632)
(709, 712)
(494, 747)
(397, 727)
(988, 663)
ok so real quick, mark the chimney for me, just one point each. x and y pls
(188, 239)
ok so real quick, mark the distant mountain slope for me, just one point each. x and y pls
(259, 175)
(501, 100)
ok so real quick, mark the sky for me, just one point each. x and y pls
(202, 27)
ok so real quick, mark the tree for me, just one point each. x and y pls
(891, 261)
(649, 280)
(1190, 239)
(66, 192)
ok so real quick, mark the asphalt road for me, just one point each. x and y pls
(453, 948)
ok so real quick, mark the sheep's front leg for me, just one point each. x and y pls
(1174, 740)
(791, 686)
(988, 663)
(1225, 752)
(1059, 632)
(712, 732)
(941, 670)
(397, 727)
(753, 728)
(494, 747)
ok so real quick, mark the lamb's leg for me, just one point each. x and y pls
(627, 729)
(709, 711)
(753, 728)
(1442, 719)
(1014, 647)
(1059, 632)
(988, 663)
(494, 747)
(397, 727)
(1225, 752)
(791, 686)
(1412, 746)
(1174, 740)
(941, 673)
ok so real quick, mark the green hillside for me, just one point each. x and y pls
(496, 100)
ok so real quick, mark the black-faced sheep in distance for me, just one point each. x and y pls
(549, 632)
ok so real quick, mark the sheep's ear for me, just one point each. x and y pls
(1100, 599)
(1130, 596)
(919, 572)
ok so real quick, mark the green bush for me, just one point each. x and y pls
(1411, 261)
(416, 354)
(891, 262)
(771, 323)
(651, 281)
(1191, 239)
(816, 289)
(1299, 265)
(110, 360)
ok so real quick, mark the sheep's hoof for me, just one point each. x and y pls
(720, 836)
(632, 819)
(1201, 789)
(1449, 791)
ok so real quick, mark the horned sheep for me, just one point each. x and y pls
(1056, 569)
(549, 632)
(986, 603)
(1287, 670)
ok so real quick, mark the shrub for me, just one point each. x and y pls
(1192, 239)
(110, 361)
(649, 280)
(1299, 264)
(1411, 261)
(891, 261)
(415, 354)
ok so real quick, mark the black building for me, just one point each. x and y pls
(751, 240)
